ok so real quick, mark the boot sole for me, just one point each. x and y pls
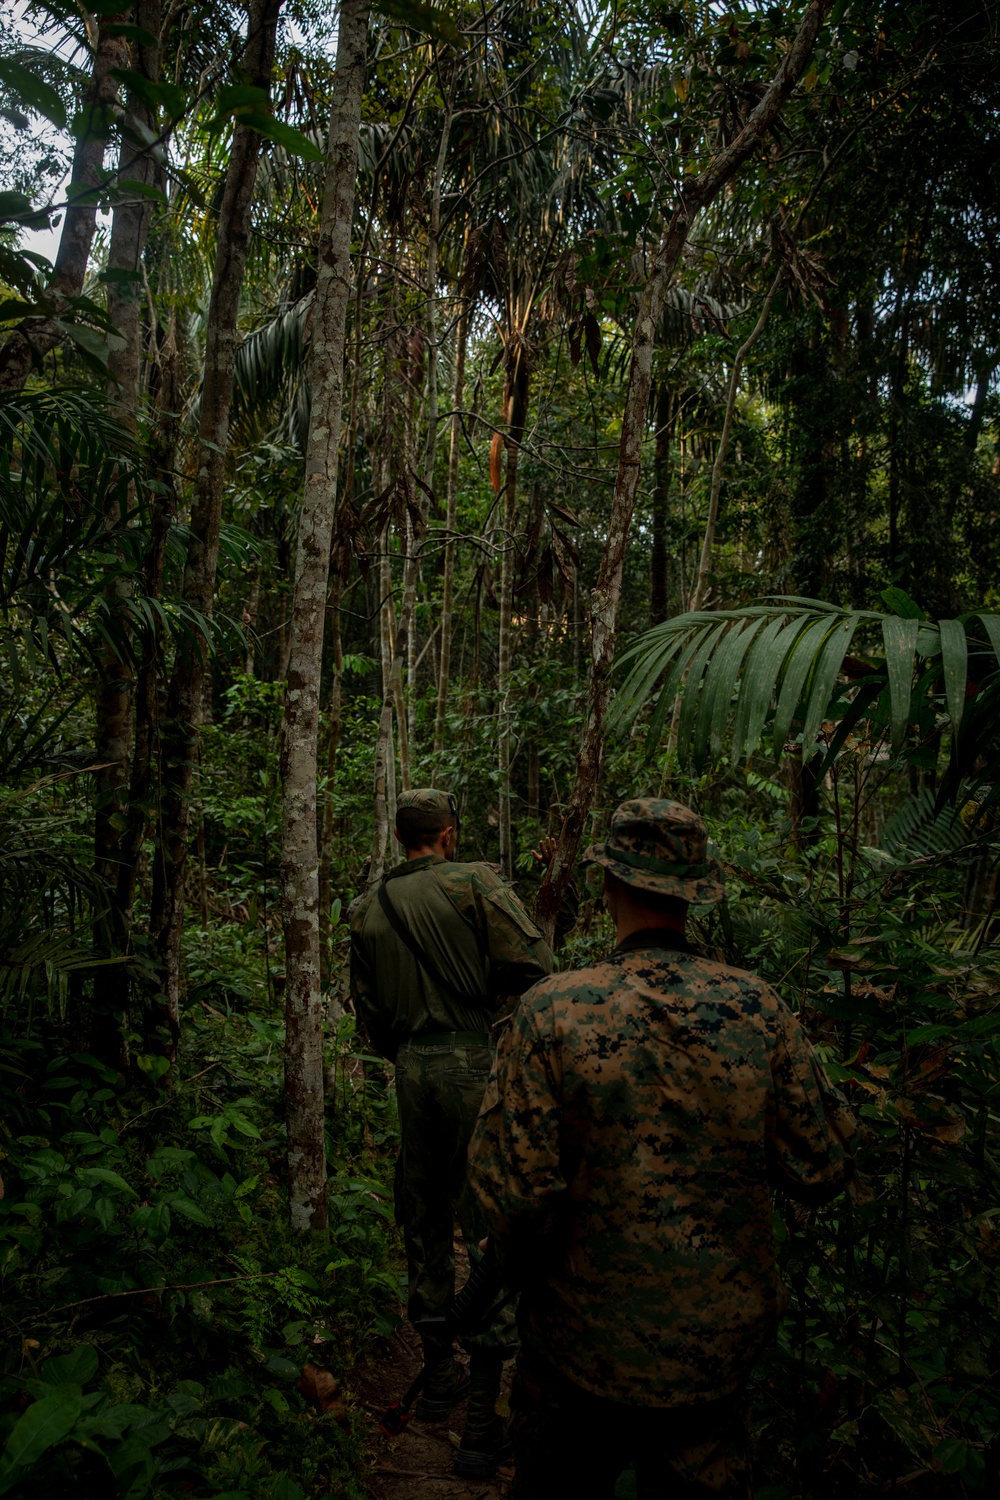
(427, 1410)
(472, 1465)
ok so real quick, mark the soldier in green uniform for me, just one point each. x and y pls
(638, 1115)
(434, 948)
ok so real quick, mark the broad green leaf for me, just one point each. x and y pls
(720, 681)
(76, 1368)
(234, 96)
(130, 187)
(756, 687)
(104, 1212)
(13, 205)
(901, 604)
(105, 1175)
(133, 1466)
(640, 680)
(11, 309)
(668, 692)
(44, 1424)
(955, 662)
(432, 20)
(800, 663)
(91, 344)
(691, 700)
(900, 638)
(287, 1489)
(189, 1209)
(169, 97)
(32, 91)
(285, 136)
(991, 624)
(831, 659)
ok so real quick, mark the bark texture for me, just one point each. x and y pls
(299, 742)
(450, 521)
(36, 336)
(516, 409)
(113, 718)
(659, 560)
(184, 698)
(696, 196)
(700, 591)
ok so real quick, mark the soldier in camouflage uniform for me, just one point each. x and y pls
(433, 950)
(639, 1112)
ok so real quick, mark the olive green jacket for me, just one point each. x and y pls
(474, 929)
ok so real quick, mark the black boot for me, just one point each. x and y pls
(447, 1382)
(484, 1442)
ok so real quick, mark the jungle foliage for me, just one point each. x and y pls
(799, 617)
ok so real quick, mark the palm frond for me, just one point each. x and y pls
(787, 662)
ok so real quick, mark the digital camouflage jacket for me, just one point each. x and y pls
(469, 921)
(638, 1113)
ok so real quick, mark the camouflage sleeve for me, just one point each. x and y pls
(514, 1166)
(811, 1134)
(519, 955)
(364, 994)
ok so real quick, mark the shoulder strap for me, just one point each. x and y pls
(421, 955)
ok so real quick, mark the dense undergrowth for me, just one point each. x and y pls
(158, 1315)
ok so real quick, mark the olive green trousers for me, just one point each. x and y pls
(440, 1083)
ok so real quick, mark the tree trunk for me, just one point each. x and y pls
(700, 590)
(36, 336)
(113, 710)
(698, 194)
(450, 522)
(334, 711)
(166, 425)
(184, 697)
(659, 607)
(516, 411)
(299, 738)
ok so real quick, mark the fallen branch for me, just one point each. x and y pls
(141, 1291)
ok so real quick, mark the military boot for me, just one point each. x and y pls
(447, 1382)
(484, 1442)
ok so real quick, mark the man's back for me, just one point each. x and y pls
(480, 942)
(641, 1108)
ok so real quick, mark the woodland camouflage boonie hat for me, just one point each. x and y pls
(428, 799)
(660, 846)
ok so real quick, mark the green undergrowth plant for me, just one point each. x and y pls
(157, 1312)
(886, 1360)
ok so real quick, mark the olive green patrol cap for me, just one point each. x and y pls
(660, 846)
(428, 799)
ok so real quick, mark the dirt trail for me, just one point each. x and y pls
(417, 1464)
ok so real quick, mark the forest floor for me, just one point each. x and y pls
(417, 1464)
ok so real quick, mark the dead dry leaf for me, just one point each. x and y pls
(320, 1387)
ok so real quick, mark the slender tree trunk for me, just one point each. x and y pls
(113, 715)
(299, 740)
(184, 699)
(385, 769)
(450, 522)
(697, 195)
(332, 746)
(166, 426)
(700, 590)
(517, 406)
(658, 583)
(36, 336)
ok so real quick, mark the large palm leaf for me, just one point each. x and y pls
(777, 672)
